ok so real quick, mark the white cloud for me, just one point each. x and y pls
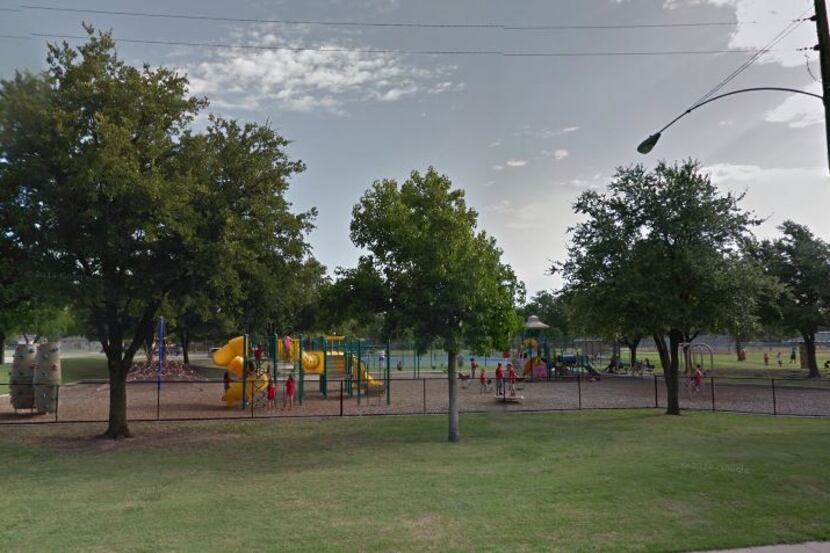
(558, 154)
(527, 130)
(328, 77)
(728, 173)
(516, 162)
(799, 111)
(761, 20)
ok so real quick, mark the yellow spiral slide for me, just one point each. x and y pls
(231, 357)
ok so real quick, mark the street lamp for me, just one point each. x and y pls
(647, 145)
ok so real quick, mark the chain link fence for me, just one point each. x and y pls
(88, 401)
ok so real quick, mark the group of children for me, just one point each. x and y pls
(778, 357)
(486, 384)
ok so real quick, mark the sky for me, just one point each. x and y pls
(522, 135)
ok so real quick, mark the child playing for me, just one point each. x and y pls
(511, 379)
(499, 379)
(286, 347)
(698, 379)
(483, 380)
(272, 395)
(473, 367)
(227, 381)
(766, 359)
(289, 392)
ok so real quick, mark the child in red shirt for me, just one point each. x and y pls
(289, 392)
(499, 379)
(272, 396)
(483, 380)
(511, 378)
(698, 379)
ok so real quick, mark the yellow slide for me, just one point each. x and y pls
(231, 356)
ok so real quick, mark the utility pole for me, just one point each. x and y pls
(823, 48)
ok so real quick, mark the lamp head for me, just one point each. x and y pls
(647, 145)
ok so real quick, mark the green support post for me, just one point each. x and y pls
(244, 372)
(359, 372)
(348, 358)
(302, 372)
(273, 353)
(325, 377)
(388, 374)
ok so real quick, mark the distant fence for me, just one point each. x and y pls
(86, 402)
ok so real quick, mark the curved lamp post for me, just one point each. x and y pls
(647, 145)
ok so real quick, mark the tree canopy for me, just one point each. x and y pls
(660, 254)
(801, 263)
(436, 275)
(113, 192)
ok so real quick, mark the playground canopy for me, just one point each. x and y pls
(533, 322)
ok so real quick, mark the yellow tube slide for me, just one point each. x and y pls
(234, 393)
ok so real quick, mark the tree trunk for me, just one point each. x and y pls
(454, 434)
(185, 339)
(117, 428)
(672, 374)
(662, 351)
(632, 347)
(810, 347)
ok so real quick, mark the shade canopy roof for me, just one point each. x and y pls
(534, 323)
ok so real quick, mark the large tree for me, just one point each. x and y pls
(444, 279)
(117, 196)
(660, 253)
(801, 263)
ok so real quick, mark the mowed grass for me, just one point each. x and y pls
(73, 369)
(601, 481)
(727, 364)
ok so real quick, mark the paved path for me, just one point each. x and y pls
(812, 547)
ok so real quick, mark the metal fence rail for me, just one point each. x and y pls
(88, 401)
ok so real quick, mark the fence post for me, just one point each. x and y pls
(359, 372)
(302, 371)
(158, 402)
(244, 369)
(656, 401)
(712, 384)
(424, 380)
(774, 402)
(57, 398)
(388, 373)
(579, 388)
(341, 398)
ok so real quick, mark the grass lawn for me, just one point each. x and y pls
(726, 364)
(601, 481)
(72, 370)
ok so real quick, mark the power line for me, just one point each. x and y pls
(792, 26)
(628, 26)
(227, 19)
(266, 47)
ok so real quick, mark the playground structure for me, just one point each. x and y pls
(35, 377)
(695, 354)
(324, 360)
(536, 350)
